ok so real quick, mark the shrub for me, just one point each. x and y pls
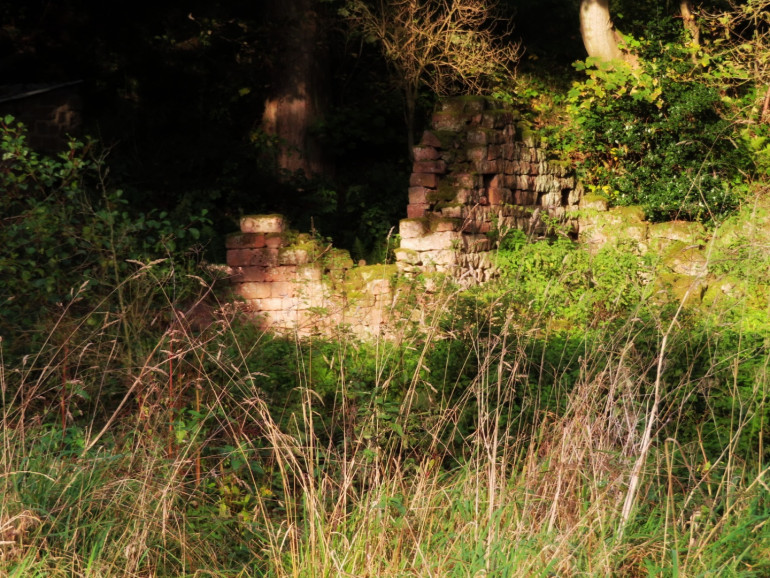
(658, 136)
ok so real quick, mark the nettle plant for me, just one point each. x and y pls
(659, 135)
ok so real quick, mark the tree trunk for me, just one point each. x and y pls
(685, 9)
(299, 90)
(599, 35)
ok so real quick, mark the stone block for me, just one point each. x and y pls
(249, 274)
(424, 153)
(477, 154)
(253, 290)
(407, 256)
(423, 180)
(493, 153)
(445, 224)
(309, 272)
(433, 241)
(281, 273)
(274, 241)
(417, 210)
(498, 196)
(487, 167)
(452, 212)
(263, 224)
(548, 184)
(450, 121)
(507, 151)
(436, 167)
(478, 136)
(252, 257)
(430, 140)
(418, 195)
(245, 241)
(412, 228)
(292, 256)
(551, 200)
(439, 257)
(282, 289)
(524, 197)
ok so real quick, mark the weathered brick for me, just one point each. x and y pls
(249, 274)
(423, 180)
(437, 167)
(274, 241)
(412, 227)
(282, 273)
(422, 153)
(252, 257)
(262, 224)
(282, 289)
(245, 241)
(477, 154)
(418, 195)
(431, 242)
(430, 140)
(253, 290)
(417, 210)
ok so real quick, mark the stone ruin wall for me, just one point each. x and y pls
(293, 283)
(479, 168)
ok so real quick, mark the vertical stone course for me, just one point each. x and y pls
(477, 168)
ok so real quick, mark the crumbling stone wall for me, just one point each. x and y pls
(477, 169)
(294, 283)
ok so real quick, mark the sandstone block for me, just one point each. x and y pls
(418, 195)
(498, 196)
(423, 180)
(252, 257)
(524, 197)
(446, 224)
(407, 256)
(433, 241)
(274, 241)
(292, 256)
(253, 290)
(439, 257)
(309, 272)
(281, 273)
(450, 121)
(412, 228)
(547, 184)
(430, 140)
(263, 224)
(594, 202)
(493, 153)
(478, 153)
(417, 210)
(487, 167)
(425, 153)
(437, 167)
(452, 212)
(245, 241)
(249, 274)
(478, 136)
(282, 289)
